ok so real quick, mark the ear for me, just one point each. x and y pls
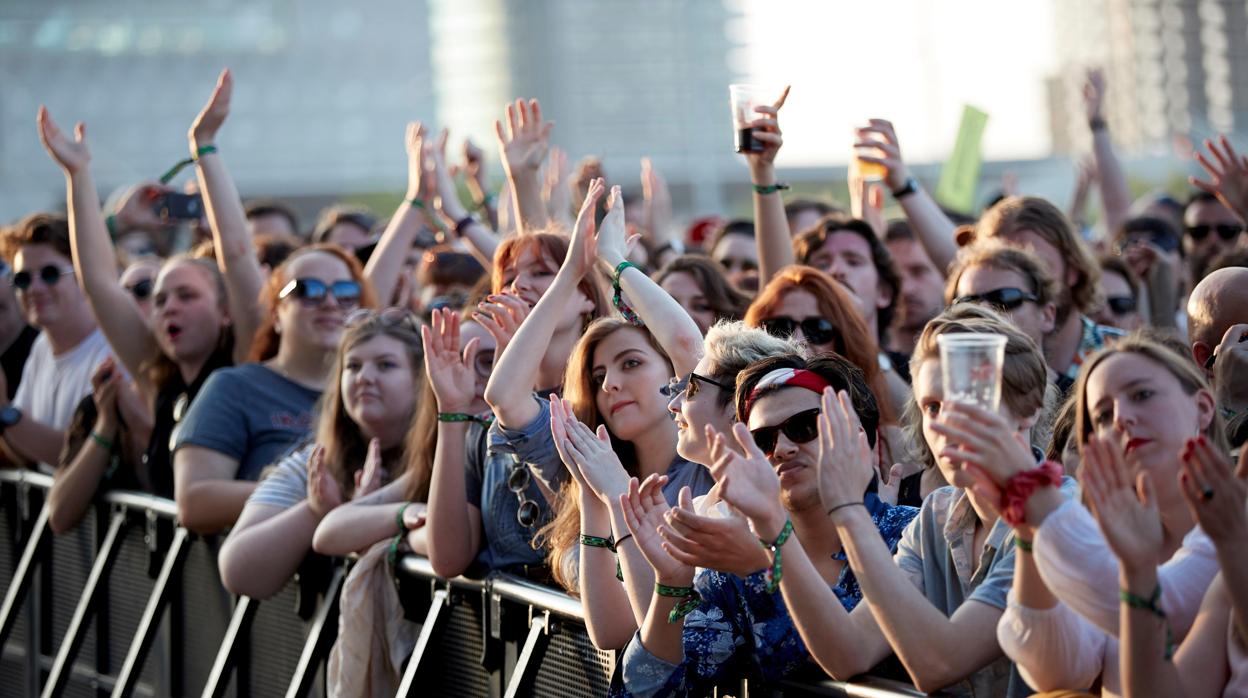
(1206, 406)
(1049, 313)
(883, 295)
(1201, 352)
(1072, 276)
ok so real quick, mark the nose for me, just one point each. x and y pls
(797, 335)
(674, 404)
(1123, 420)
(785, 449)
(610, 384)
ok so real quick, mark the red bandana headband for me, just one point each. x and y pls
(786, 377)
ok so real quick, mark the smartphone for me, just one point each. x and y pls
(178, 206)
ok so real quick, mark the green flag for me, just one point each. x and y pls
(960, 175)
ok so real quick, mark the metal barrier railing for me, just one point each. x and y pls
(144, 613)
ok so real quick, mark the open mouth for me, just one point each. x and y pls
(174, 331)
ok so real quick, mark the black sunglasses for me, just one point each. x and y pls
(1121, 305)
(1226, 231)
(816, 330)
(141, 289)
(49, 275)
(1007, 299)
(689, 385)
(800, 428)
(313, 292)
(528, 512)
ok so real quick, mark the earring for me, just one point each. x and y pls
(277, 329)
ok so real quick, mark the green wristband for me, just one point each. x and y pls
(1150, 605)
(204, 150)
(765, 189)
(1022, 545)
(102, 442)
(398, 516)
(416, 203)
(455, 417)
(774, 573)
(597, 542)
(691, 599)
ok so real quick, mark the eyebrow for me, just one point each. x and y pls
(1134, 382)
(617, 357)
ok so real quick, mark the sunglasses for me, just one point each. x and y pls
(816, 330)
(390, 317)
(1007, 299)
(1226, 231)
(49, 275)
(141, 289)
(528, 513)
(313, 292)
(1121, 305)
(800, 428)
(689, 385)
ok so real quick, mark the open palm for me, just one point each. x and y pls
(451, 374)
(1128, 515)
(746, 478)
(644, 509)
(70, 153)
(212, 116)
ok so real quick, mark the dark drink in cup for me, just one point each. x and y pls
(744, 98)
(745, 142)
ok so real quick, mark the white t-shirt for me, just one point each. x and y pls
(52, 386)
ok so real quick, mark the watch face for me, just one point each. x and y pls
(10, 416)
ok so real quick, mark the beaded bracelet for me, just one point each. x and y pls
(690, 595)
(618, 299)
(775, 572)
(1150, 605)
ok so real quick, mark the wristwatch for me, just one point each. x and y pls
(9, 416)
(910, 187)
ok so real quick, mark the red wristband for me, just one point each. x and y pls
(1020, 488)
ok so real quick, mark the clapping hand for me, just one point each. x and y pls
(587, 453)
(1215, 495)
(583, 248)
(612, 240)
(368, 480)
(644, 508)
(324, 493)
(713, 542)
(747, 480)
(501, 314)
(527, 138)
(845, 467)
(452, 375)
(1126, 511)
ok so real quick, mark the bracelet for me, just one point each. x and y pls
(846, 504)
(1150, 605)
(456, 417)
(1097, 123)
(621, 539)
(774, 572)
(204, 150)
(110, 222)
(102, 442)
(618, 298)
(911, 186)
(398, 516)
(765, 189)
(1020, 488)
(462, 224)
(392, 552)
(416, 202)
(597, 542)
(1023, 545)
(690, 595)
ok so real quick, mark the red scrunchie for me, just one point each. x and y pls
(1020, 488)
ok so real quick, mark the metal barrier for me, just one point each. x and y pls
(131, 603)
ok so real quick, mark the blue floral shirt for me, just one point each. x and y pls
(740, 630)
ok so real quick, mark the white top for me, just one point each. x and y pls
(1068, 646)
(52, 386)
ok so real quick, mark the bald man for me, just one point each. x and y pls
(1218, 328)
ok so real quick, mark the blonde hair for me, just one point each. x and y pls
(993, 254)
(732, 346)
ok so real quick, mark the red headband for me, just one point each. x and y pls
(795, 377)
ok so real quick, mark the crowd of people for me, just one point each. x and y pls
(729, 442)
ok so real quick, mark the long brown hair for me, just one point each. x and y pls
(835, 305)
(267, 340)
(561, 534)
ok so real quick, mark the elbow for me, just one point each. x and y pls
(243, 574)
(609, 639)
(933, 677)
(196, 519)
(60, 520)
(446, 566)
(325, 543)
(493, 394)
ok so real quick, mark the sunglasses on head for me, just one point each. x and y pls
(800, 428)
(816, 330)
(1226, 231)
(141, 289)
(313, 292)
(1121, 305)
(689, 385)
(49, 275)
(1007, 299)
(390, 317)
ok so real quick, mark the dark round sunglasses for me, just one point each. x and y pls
(816, 330)
(313, 292)
(49, 275)
(800, 428)
(141, 289)
(528, 512)
(1007, 299)
(1121, 305)
(689, 385)
(1226, 231)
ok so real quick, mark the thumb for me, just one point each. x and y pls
(685, 498)
(603, 436)
(1144, 490)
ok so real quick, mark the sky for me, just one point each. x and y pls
(915, 62)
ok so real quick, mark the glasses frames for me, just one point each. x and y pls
(49, 275)
(313, 292)
(1226, 231)
(1007, 299)
(689, 385)
(528, 512)
(799, 428)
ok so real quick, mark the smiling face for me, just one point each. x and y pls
(188, 315)
(379, 388)
(795, 463)
(45, 305)
(846, 256)
(314, 325)
(694, 414)
(531, 276)
(684, 288)
(1142, 408)
(627, 374)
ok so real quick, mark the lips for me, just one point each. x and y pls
(789, 467)
(174, 331)
(1134, 444)
(621, 405)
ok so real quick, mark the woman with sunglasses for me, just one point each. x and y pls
(367, 450)
(733, 625)
(936, 601)
(248, 415)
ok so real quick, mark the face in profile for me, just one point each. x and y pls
(699, 404)
(627, 375)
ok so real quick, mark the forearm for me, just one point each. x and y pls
(932, 227)
(510, 390)
(232, 241)
(610, 618)
(771, 227)
(35, 441)
(75, 485)
(1029, 587)
(1115, 194)
(482, 241)
(258, 560)
(636, 570)
(1053, 648)
(663, 639)
(526, 197)
(386, 263)
(667, 320)
(1142, 654)
(210, 506)
(351, 528)
(452, 537)
(1235, 576)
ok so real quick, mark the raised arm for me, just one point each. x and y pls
(929, 222)
(453, 529)
(1115, 194)
(658, 215)
(482, 241)
(473, 170)
(95, 261)
(1228, 175)
(230, 235)
(775, 240)
(386, 263)
(510, 390)
(523, 148)
(666, 319)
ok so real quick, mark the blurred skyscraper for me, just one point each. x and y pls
(1176, 68)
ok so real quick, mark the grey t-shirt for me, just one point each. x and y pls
(286, 483)
(250, 413)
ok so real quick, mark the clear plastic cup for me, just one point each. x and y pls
(870, 171)
(970, 367)
(744, 98)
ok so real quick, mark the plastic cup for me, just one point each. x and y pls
(870, 171)
(744, 98)
(970, 367)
